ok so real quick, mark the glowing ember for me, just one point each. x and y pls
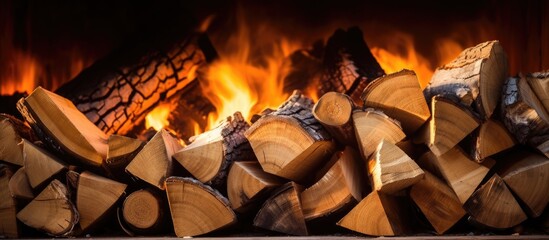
(158, 117)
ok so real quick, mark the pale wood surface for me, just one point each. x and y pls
(121, 149)
(333, 110)
(490, 138)
(40, 165)
(19, 185)
(9, 140)
(8, 210)
(539, 83)
(143, 210)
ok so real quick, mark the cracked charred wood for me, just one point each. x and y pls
(304, 68)
(8, 209)
(118, 91)
(348, 65)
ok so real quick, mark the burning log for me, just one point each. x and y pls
(8, 210)
(333, 110)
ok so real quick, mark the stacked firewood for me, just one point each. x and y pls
(375, 154)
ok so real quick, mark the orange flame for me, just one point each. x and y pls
(158, 117)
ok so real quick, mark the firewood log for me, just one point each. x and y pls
(196, 208)
(438, 202)
(527, 176)
(348, 64)
(399, 96)
(40, 166)
(95, 196)
(378, 214)
(20, 127)
(490, 138)
(153, 164)
(494, 206)
(290, 142)
(391, 170)
(51, 211)
(19, 185)
(248, 185)
(371, 127)
(539, 83)
(449, 124)
(122, 150)
(282, 212)
(333, 110)
(475, 78)
(64, 126)
(8, 209)
(209, 157)
(460, 172)
(9, 139)
(143, 210)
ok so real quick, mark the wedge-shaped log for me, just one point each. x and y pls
(143, 211)
(51, 211)
(339, 189)
(333, 110)
(449, 124)
(371, 127)
(290, 142)
(460, 172)
(391, 170)
(399, 96)
(153, 163)
(39, 164)
(121, 152)
(438, 202)
(95, 196)
(19, 185)
(210, 155)
(8, 209)
(475, 77)
(282, 212)
(493, 205)
(196, 208)
(378, 214)
(539, 83)
(527, 175)
(64, 126)
(490, 138)
(248, 184)
(9, 139)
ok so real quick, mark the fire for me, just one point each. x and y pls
(158, 117)
(20, 75)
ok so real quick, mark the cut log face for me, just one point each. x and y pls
(494, 199)
(333, 110)
(19, 185)
(153, 164)
(539, 83)
(39, 164)
(9, 140)
(282, 212)
(51, 211)
(377, 215)
(449, 124)
(475, 76)
(95, 196)
(460, 172)
(8, 210)
(399, 95)
(535, 97)
(142, 210)
(290, 142)
(196, 208)
(438, 202)
(391, 170)
(371, 127)
(247, 183)
(490, 138)
(59, 119)
(527, 175)
(121, 151)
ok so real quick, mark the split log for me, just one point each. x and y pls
(196, 208)
(19, 185)
(539, 83)
(64, 126)
(527, 175)
(378, 214)
(391, 170)
(143, 211)
(153, 164)
(248, 185)
(290, 142)
(438, 202)
(51, 211)
(95, 196)
(282, 212)
(399, 96)
(475, 78)
(210, 155)
(8, 209)
(490, 138)
(9, 139)
(371, 127)
(20, 127)
(493, 205)
(348, 64)
(460, 172)
(333, 110)
(122, 150)
(338, 190)
(414, 151)
(449, 124)
(40, 166)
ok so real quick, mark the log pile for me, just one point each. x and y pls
(379, 162)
